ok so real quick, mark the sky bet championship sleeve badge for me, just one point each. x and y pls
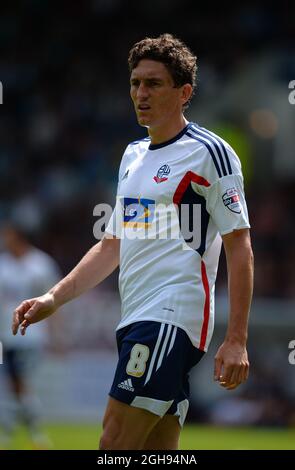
(162, 174)
(231, 200)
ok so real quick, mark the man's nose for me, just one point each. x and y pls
(142, 91)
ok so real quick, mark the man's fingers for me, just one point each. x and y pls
(245, 372)
(15, 323)
(217, 368)
(242, 374)
(236, 377)
(29, 315)
(228, 385)
(19, 313)
(28, 312)
(18, 316)
(231, 365)
(230, 379)
(24, 326)
(227, 374)
(23, 307)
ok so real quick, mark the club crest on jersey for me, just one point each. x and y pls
(231, 200)
(162, 174)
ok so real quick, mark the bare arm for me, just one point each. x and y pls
(100, 261)
(231, 360)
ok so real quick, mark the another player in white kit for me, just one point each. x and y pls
(25, 271)
(166, 281)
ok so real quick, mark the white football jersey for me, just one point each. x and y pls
(174, 200)
(25, 277)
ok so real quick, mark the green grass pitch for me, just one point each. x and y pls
(194, 437)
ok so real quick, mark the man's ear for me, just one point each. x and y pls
(187, 91)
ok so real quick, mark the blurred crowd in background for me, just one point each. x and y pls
(67, 117)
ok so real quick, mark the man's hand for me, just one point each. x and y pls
(32, 311)
(231, 365)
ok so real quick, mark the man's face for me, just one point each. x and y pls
(155, 98)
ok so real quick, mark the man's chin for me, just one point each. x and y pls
(144, 122)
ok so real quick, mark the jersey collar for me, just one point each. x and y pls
(170, 141)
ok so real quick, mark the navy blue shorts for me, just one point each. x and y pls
(153, 368)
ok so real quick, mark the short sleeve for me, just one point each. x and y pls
(225, 202)
(225, 196)
(114, 225)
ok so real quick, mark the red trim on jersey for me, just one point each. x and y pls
(159, 180)
(189, 177)
(206, 307)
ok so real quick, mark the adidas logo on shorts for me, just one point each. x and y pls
(127, 385)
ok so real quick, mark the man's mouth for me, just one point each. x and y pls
(143, 107)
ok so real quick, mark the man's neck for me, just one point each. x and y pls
(162, 134)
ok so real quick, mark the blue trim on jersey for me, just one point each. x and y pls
(190, 197)
(199, 139)
(210, 138)
(217, 139)
(146, 139)
(171, 141)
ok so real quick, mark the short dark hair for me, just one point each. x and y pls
(172, 52)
